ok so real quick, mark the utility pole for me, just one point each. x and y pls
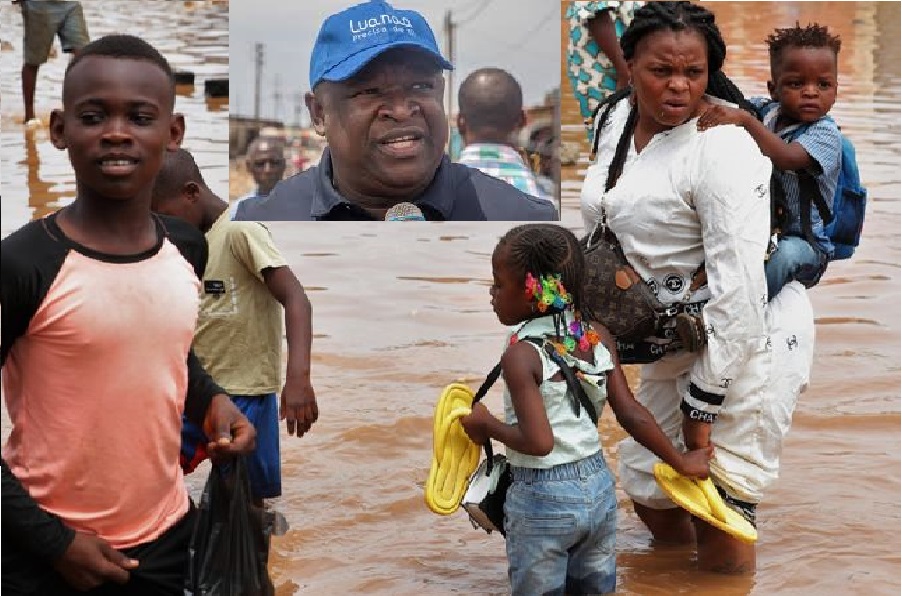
(277, 97)
(298, 105)
(449, 54)
(258, 77)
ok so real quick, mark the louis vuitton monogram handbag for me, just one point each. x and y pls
(616, 295)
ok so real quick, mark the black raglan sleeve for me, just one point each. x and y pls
(30, 259)
(201, 386)
(30, 527)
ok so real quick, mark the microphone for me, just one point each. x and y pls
(404, 212)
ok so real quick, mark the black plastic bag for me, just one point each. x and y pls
(230, 542)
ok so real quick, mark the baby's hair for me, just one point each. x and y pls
(675, 16)
(543, 249)
(123, 46)
(810, 36)
(178, 169)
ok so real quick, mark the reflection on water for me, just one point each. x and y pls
(402, 310)
(43, 196)
(35, 178)
(818, 529)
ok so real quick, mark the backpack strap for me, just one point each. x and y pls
(809, 185)
(808, 190)
(573, 384)
(480, 393)
(810, 193)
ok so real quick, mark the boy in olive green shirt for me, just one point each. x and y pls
(239, 331)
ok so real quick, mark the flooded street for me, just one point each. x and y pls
(400, 311)
(35, 177)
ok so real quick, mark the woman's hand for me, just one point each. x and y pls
(476, 424)
(695, 464)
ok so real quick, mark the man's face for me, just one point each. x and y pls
(386, 126)
(266, 162)
(117, 124)
(805, 83)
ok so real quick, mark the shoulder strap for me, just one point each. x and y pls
(480, 393)
(487, 383)
(809, 191)
(573, 384)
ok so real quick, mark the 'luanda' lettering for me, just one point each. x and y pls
(385, 19)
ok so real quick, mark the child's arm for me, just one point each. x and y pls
(298, 400)
(210, 407)
(785, 156)
(640, 424)
(521, 368)
(602, 29)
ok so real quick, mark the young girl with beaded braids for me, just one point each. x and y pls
(678, 197)
(560, 512)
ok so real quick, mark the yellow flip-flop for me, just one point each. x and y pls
(701, 499)
(454, 456)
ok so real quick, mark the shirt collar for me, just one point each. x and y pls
(436, 201)
(542, 325)
(481, 151)
(225, 216)
(770, 122)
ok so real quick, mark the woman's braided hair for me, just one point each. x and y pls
(548, 249)
(675, 16)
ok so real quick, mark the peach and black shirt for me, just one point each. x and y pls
(97, 371)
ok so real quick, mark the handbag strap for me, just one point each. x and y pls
(573, 384)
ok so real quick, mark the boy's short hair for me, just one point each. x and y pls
(810, 36)
(123, 46)
(178, 168)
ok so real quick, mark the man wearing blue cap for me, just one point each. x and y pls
(377, 88)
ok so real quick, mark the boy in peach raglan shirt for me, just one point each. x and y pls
(99, 302)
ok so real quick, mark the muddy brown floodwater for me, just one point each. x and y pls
(35, 177)
(402, 310)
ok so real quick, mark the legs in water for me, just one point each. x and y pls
(717, 551)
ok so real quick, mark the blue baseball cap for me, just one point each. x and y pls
(350, 39)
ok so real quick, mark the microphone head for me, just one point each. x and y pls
(404, 212)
